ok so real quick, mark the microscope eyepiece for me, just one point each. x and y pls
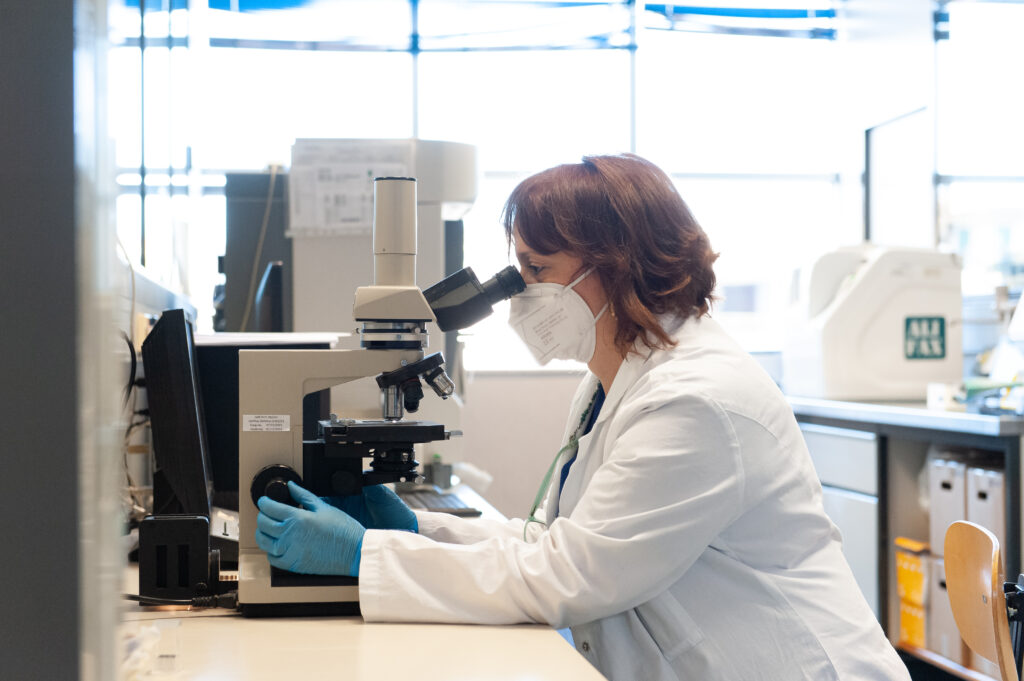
(504, 285)
(459, 300)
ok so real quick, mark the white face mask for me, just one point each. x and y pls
(555, 322)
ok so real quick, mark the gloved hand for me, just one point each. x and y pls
(317, 539)
(377, 508)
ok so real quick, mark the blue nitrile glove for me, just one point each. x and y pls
(317, 539)
(377, 508)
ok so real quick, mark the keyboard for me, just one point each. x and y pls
(431, 500)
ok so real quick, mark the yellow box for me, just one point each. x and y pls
(911, 571)
(912, 563)
(912, 625)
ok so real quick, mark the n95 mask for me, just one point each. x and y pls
(555, 322)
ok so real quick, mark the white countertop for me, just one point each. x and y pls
(176, 644)
(231, 648)
(908, 414)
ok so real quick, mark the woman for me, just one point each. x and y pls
(682, 535)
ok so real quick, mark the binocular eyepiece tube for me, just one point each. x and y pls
(460, 300)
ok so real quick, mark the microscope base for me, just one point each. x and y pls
(264, 591)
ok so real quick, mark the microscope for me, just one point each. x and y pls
(394, 314)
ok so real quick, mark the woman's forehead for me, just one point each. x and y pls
(525, 253)
(521, 249)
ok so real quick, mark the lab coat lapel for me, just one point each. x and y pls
(579, 402)
(632, 367)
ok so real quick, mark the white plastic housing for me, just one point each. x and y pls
(394, 231)
(850, 343)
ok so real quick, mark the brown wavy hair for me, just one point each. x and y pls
(623, 216)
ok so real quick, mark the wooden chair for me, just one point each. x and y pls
(974, 582)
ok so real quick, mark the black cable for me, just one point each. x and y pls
(255, 273)
(135, 364)
(225, 600)
(155, 601)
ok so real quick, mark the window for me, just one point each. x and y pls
(532, 84)
(709, 103)
(980, 142)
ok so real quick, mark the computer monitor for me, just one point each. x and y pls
(268, 303)
(251, 202)
(182, 481)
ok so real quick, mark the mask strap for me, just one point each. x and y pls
(581, 278)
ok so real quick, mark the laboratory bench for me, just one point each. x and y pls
(871, 458)
(208, 645)
(178, 644)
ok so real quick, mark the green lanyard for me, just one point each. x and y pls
(546, 482)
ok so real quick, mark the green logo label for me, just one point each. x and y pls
(925, 338)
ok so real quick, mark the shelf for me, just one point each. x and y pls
(944, 664)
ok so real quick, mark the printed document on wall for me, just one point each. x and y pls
(330, 183)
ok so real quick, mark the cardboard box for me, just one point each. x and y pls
(941, 631)
(983, 665)
(947, 487)
(912, 577)
(986, 504)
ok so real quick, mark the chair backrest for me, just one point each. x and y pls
(974, 581)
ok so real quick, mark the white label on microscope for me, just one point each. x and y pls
(266, 423)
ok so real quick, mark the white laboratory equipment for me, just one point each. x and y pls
(875, 323)
(330, 213)
(272, 449)
(330, 198)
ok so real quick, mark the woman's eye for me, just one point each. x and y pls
(534, 269)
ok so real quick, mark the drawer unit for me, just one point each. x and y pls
(856, 516)
(843, 457)
(846, 461)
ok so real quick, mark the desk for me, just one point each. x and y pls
(218, 645)
(230, 648)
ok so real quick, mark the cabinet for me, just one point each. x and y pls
(856, 515)
(847, 464)
(869, 458)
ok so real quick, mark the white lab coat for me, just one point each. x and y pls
(689, 541)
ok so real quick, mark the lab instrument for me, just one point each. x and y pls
(328, 218)
(875, 323)
(272, 383)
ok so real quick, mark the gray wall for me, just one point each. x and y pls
(512, 427)
(38, 331)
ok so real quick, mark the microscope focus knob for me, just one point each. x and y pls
(272, 481)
